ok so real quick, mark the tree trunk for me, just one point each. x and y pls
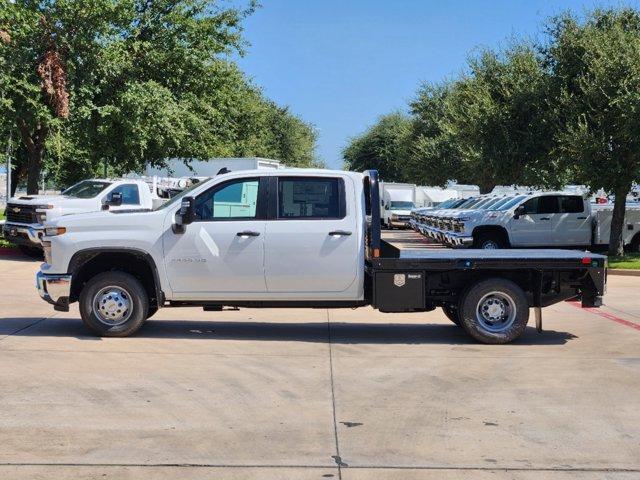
(616, 245)
(34, 143)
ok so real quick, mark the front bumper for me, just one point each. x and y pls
(54, 289)
(457, 239)
(22, 234)
(399, 223)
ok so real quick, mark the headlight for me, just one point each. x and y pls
(394, 217)
(41, 212)
(54, 231)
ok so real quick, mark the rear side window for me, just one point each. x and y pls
(130, 193)
(571, 204)
(545, 204)
(310, 198)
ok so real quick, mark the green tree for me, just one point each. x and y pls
(381, 147)
(596, 69)
(434, 154)
(497, 118)
(126, 83)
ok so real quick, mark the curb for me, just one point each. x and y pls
(623, 272)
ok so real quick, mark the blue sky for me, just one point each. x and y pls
(341, 64)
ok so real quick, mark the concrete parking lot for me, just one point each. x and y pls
(313, 394)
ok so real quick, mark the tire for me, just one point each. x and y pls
(451, 311)
(505, 307)
(31, 252)
(151, 312)
(490, 241)
(114, 290)
(634, 246)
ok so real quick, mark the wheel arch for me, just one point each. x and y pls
(87, 263)
(495, 229)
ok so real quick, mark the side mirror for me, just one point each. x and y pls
(185, 215)
(113, 200)
(518, 212)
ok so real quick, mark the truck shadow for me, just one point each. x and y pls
(320, 332)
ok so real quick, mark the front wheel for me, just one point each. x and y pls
(490, 241)
(114, 304)
(495, 310)
(31, 252)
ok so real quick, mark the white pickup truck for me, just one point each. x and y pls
(26, 214)
(541, 219)
(293, 238)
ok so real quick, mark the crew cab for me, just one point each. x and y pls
(540, 219)
(27, 214)
(293, 238)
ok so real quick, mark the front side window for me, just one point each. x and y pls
(542, 205)
(233, 200)
(310, 198)
(130, 193)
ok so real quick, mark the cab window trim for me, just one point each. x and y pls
(261, 202)
(274, 198)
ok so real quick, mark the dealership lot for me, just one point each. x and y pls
(317, 394)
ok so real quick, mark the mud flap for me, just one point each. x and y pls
(537, 302)
(538, 313)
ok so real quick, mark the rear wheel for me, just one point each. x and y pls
(634, 246)
(494, 311)
(451, 311)
(114, 304)
(490, 241)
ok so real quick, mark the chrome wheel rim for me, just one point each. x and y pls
(496, 312)
(112, 305)
(490, 245)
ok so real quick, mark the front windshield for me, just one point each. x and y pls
(86, 189)
(478, 203)
(490, 203)
(451, 203)
(178, 197)
(469, 202)
(511, 203)
(401, 205)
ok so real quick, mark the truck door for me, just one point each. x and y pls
(537, 225)
(312, 240)
(574, 225)
(221, 254)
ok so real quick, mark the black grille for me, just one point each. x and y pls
(21, 213)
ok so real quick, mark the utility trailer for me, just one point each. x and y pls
(304, 239)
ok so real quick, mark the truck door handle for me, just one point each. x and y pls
(545, 218)
(339, 233)
(582, 218)
(248, 234)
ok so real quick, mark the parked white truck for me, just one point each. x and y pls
(398, 199)
(539, 219)
(293, 238)
(26, 214)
